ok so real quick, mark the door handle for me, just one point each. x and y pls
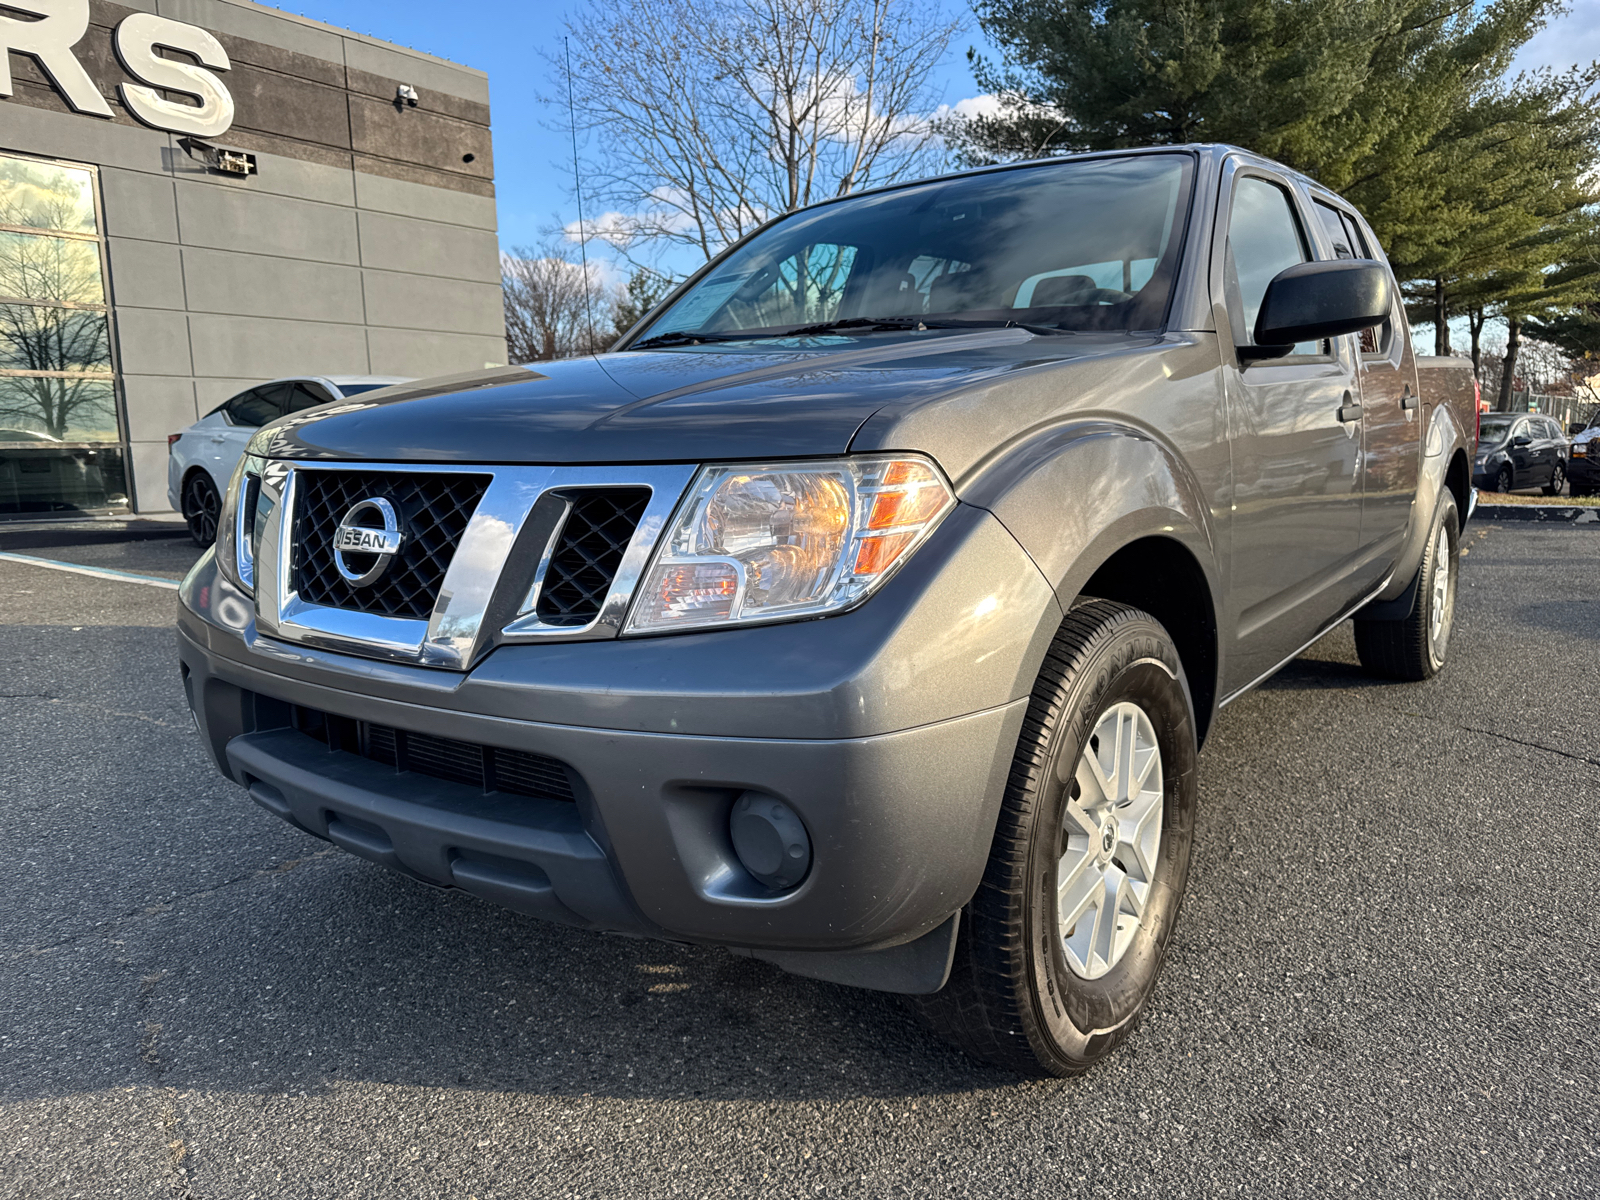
(1349, 412)
(1408, 402)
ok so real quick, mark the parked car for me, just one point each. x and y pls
(1520, 450)
(865, 609)
(202, 457)
(1583, 459)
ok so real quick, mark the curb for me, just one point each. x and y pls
(33, 535)
(1547, 513)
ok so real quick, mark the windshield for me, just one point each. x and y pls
(1089, 244)
(1493, 431)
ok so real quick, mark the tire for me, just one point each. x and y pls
(1502, 479)
(1414, 648)
(201, 506)
(1558, 477)
(1014, 999)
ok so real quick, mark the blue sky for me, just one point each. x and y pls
(533, 162)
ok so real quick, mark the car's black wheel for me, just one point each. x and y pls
(1576, 490)
(1502, 479)
(1414, 647)
(1060, 948)
(201, 506)
(1558, 479)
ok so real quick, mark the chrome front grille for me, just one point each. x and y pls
(434, 510)
(485, 555)
(588, 552)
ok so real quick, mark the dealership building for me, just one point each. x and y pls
(199, 195)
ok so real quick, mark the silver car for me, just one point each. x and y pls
(202, 457)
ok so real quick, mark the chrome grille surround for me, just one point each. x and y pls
(490, 591)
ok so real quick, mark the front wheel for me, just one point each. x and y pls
(1558, 479)
(1414, 647)
(1060, 948)
(1502, 480)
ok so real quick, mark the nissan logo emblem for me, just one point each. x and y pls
(354, 537)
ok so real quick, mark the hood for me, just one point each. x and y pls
(741, 400)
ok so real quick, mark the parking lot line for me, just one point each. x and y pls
(97, 572)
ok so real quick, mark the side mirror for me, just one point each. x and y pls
(1522, 439)
(1316, 300)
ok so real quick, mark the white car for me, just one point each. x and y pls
(200, 459)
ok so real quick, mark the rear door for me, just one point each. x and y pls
(1558, 446)
(1391, 408)
(246, 413)
(1524, 456)
(1297, 466)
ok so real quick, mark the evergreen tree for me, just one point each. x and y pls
(644, 290)
(1380, 100)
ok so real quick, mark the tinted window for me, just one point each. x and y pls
(305, 394)
(1083, 245)
(258, 406)
(1264, 238)
(1358, 240)
(355, 389)
(1333, 225)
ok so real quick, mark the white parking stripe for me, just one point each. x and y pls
(96, 572)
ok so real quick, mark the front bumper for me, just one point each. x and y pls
(1585, 470)
(900, 739)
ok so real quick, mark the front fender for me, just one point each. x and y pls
(1074, 494)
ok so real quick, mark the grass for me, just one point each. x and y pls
(1540, 499)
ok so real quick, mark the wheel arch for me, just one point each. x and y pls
(1161, 576)
(1145, 538)
(190, 472)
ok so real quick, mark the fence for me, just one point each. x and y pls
(1567, 410)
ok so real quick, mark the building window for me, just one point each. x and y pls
(61, 447)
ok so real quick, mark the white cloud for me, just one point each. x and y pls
(972, 106)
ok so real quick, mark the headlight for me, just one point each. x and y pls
(238, 523)
(774, 541)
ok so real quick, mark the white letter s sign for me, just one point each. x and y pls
(137, 37)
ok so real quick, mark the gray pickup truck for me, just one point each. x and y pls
(864, 610)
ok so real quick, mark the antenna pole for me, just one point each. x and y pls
(577, 187)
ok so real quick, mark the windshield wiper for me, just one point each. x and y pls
(684, 337)
(890, 324)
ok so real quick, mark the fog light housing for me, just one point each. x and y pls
(770, 840)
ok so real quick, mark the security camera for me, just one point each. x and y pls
(406, 94)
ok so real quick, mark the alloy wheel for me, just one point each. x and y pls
(1441, 612)
(1111, 840)
(200, 508)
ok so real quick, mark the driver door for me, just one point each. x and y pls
(1295, 434)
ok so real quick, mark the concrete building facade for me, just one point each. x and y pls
(199, 195)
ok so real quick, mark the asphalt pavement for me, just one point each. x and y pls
(1383, 982)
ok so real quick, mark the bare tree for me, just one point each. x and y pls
(712, 116)
(555, 308)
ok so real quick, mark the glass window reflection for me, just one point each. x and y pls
(38, 337)
(49, 268)
(41, 195)
(55, 409)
